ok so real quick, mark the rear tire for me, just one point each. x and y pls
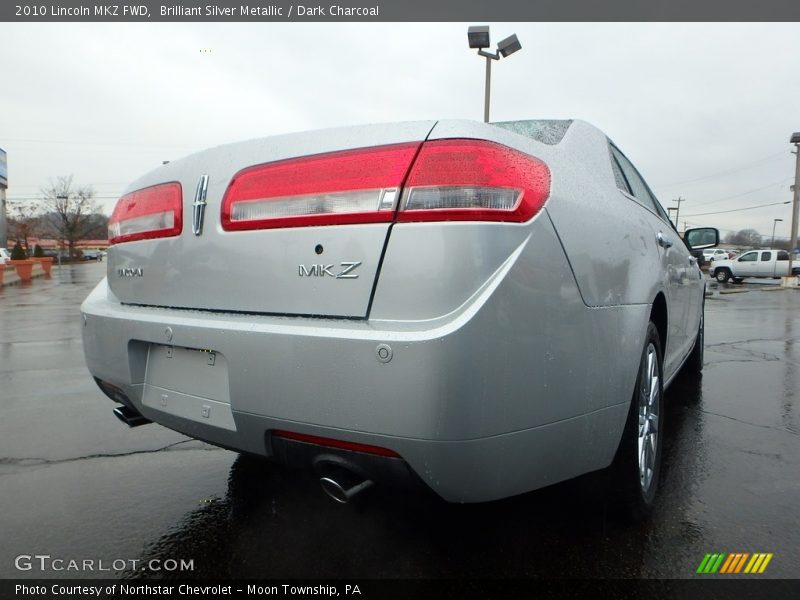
(722, 275)
(637, 465)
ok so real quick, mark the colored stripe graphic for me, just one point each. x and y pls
(711, 563)
(718, 563)
(702, 567)
(730, 563)
(766, 562)
(758, 563)
(736, 560)
(741, 562)
(733, 563)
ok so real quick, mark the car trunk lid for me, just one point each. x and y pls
(292, 225)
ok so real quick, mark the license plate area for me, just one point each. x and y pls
(189, 383)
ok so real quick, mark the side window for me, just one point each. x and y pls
(618, 176)
(635, 183)
(749, 257)
(766, 256)
(783, 255)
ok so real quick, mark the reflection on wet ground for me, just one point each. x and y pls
(75, 483)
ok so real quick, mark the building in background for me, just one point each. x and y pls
(3, 188)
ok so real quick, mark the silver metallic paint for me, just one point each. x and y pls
(515, 347)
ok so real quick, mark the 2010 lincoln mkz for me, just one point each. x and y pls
(484, 309)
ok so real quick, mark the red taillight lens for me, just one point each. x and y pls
(449, 180)
(474, 180)
(355, 186)
(153, 212)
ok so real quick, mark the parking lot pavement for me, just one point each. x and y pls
(77, 484)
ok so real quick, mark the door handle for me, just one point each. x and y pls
(663, 240)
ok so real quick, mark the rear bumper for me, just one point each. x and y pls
(480, 404)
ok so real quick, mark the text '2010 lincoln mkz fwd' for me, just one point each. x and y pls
(484, 309)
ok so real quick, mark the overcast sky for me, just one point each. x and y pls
(705, 111)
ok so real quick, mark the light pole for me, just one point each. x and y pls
(795, 139)
(478, 36)
(774, 222)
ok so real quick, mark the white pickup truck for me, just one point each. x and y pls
(756, 263)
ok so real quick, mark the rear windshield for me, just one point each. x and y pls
(545, 131)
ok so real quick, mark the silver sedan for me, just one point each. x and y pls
(481, 309)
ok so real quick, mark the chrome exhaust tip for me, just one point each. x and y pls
(343, 485)
(130, 417)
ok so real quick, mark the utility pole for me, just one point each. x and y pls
(795, 139)
(678, 210)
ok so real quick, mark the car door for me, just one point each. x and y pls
(746, 265)
(765, 265)
(680, 273)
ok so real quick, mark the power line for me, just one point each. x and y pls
(758, 189)
(727, 172)
(719, 212)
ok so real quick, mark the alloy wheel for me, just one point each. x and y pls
(649, 403)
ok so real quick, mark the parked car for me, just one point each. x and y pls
(716, 254)
(766, 262)
(486, 309)
(91, 255)
(4, 256)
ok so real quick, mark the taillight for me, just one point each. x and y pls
(474, 180)
(354, 186)
(449, 180)
(153, 212)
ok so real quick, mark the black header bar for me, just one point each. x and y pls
(478, 11)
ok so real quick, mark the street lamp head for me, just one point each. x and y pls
(509, 45)
(778, 220)
(478, 36)
(795, 138)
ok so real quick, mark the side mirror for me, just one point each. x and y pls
(702, 237)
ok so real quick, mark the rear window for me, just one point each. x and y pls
(546, 131)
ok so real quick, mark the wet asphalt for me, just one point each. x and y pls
(75, 483)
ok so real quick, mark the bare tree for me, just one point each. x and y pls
(24, 221)
(70, 209)
(748, 238)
